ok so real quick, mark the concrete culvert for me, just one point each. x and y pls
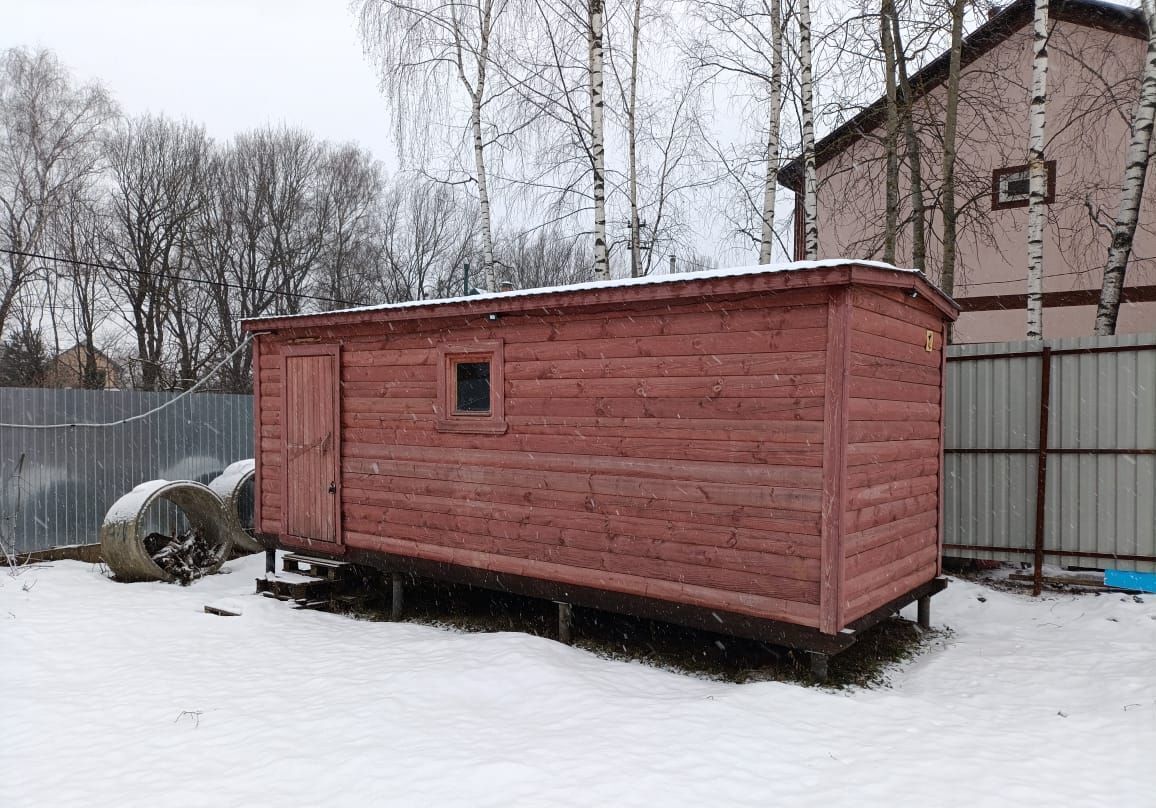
(135, 554)
(235, 488)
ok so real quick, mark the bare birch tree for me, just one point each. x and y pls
(914, 150)
(156, 167)
(742, 44)
(807, 104)
(78, 279)
(672, 177)
(774, 146)
(1037, 170)
(594, 30)
(558, 73)
(259, 233)
(419, 45)
(49, 143)
(427, 235)
(891, 136)
(1139, 156)
(547, 257)
(348, 197)
(190, 329)
(951, 117)
(632, 142)
(660, 111)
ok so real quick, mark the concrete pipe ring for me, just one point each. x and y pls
(235, 488)
(122, 536)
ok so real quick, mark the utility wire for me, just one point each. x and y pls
(183, 278)
(169, 403)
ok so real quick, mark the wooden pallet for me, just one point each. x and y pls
(322, 568)
(310, 591)
(312, 583)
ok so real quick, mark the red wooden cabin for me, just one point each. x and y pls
(753, 451)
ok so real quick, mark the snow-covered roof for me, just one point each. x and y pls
(615, 283)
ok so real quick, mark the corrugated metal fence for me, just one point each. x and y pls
(56, 484)
(1093, 460)
(1098, 453)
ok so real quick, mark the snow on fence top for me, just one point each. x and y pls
(648, 280)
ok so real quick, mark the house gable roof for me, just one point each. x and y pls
(78, 349)
(1090, 13)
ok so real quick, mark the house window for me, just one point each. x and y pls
(1010, 186)
(471, 396)
(472, 387)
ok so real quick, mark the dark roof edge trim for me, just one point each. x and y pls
(553, 301)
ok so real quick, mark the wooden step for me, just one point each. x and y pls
(322, 568)
(298, 590)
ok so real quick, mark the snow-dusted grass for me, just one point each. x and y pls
(130, 695)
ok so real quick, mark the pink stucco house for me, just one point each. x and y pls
(1096, 51)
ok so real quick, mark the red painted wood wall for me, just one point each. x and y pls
(767, 444)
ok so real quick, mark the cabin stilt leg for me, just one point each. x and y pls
(924, 612)
(271, 561)
(565, 613)
(818, 665)
(397, 592)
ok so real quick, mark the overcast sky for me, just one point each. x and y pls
(228, 64)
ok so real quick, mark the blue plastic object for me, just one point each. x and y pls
(1144, 581)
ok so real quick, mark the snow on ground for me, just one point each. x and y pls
(130, 695)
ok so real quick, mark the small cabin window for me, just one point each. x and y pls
(1011, 186)
(472, 383)
(470, 388)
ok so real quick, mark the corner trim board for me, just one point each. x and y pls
(835, 417)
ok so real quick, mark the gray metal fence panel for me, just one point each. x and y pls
(1100, 481)
(56, 485)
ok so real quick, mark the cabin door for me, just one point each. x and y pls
(312, 447)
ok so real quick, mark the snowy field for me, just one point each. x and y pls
(130, 695)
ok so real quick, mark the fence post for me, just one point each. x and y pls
(1042, 467)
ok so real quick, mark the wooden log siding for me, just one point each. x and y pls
(267, 391)
(891, 528)
(670, 447)
(598, 500)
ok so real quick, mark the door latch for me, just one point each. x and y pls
(333, 488)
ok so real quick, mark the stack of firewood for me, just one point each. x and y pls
(186, 556)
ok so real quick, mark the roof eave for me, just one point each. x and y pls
(572, 299)
(1119, 19)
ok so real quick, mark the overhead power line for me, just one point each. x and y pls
(167, 404)
(185, 279)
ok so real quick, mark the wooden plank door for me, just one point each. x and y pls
(312, 460)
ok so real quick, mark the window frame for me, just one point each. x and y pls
(998, 175)
(449, 418)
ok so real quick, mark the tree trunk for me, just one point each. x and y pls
(950, 118)
(8, 299)
(1038, 173)
(766, 244)
(597, 142)
(20, 273)
(90, 377)
(1140, 151)
(810, 184)
(915, 171)
(484, 220)
(632, 148)
(891, 143)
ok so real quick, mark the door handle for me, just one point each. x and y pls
(333, 488)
